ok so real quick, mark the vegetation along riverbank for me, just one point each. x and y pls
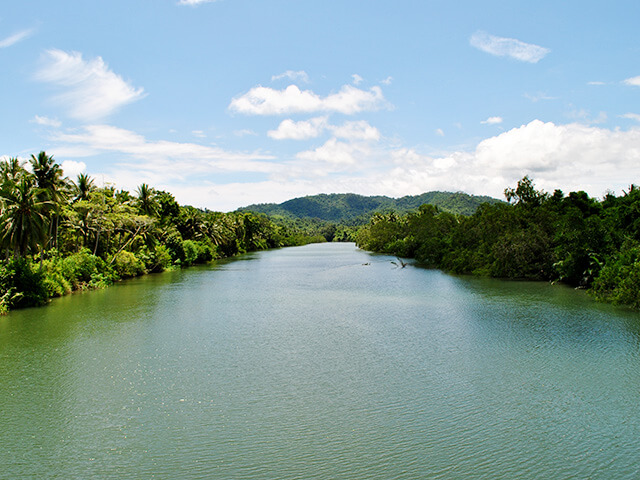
(60, 235)
(582, 241)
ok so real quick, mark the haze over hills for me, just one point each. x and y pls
(353, 208)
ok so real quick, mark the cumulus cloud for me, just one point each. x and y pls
(359, 130)
(303, 130)
(492, 121)
(89, 90)
(634, 81)
(439, 132)
(72, 168)
(573, 155)
(268, 101)
(292, 75)
(314, 127)
(357, 79)
(16, 37)
(387, 81)
(508, 47)
(334, 152)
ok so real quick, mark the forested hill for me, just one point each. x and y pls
(349, 207)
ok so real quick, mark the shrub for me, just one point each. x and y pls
(190, 249)
(127, 265)
(79, 267)
(160, 259)
(21, 285)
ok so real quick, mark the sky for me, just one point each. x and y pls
(226, 103)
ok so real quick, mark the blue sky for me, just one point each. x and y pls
(231, 102)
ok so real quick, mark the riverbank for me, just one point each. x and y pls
(583, 242)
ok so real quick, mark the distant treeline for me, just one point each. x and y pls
(354, 210)
(59, 235)
(572, 238)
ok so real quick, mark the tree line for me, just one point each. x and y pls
(579, 240)
(59, 235)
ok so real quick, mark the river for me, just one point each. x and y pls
(320, 362)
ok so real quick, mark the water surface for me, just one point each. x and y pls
(320, 362)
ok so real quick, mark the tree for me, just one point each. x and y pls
(52, 185)
(525, 193)
(83, 186)
(146, 200)
(23, 218)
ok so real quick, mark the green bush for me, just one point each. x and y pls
(56, 285)
(190, 249)
(160, 259)
(21, 285)
(619, 280)
(127, 265)
(79, 268)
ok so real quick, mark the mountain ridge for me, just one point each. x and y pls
(352, 207)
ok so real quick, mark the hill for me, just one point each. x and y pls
(353, 209)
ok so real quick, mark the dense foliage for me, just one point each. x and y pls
(352, 209)
(59, 235)
(570, 238)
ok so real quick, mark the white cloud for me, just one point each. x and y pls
(47, 122)
(508, 47)
(632, 116)
(292, 75)
(571, 157)
(596, 83)
(164, 158)
(387, 81)
(439, 132)
(357, 79)
(335, 153)
(199, 134)
(359, 130)
(268, 101)
(16, 37)
(634, 81)
(492, 121)
(72, 168)
(90, 90)
(303, 130)
(314, 127)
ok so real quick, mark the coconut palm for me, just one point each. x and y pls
(11, 170)
(83, 186)
(53, 186)
(147, 203)
(24, 220)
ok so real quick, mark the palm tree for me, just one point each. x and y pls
(11, 170)
(146, 200)
(83, 186)
(50, 181)
(23, 218)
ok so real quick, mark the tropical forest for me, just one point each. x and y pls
(61, 235)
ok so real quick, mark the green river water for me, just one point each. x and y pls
(306, 363)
